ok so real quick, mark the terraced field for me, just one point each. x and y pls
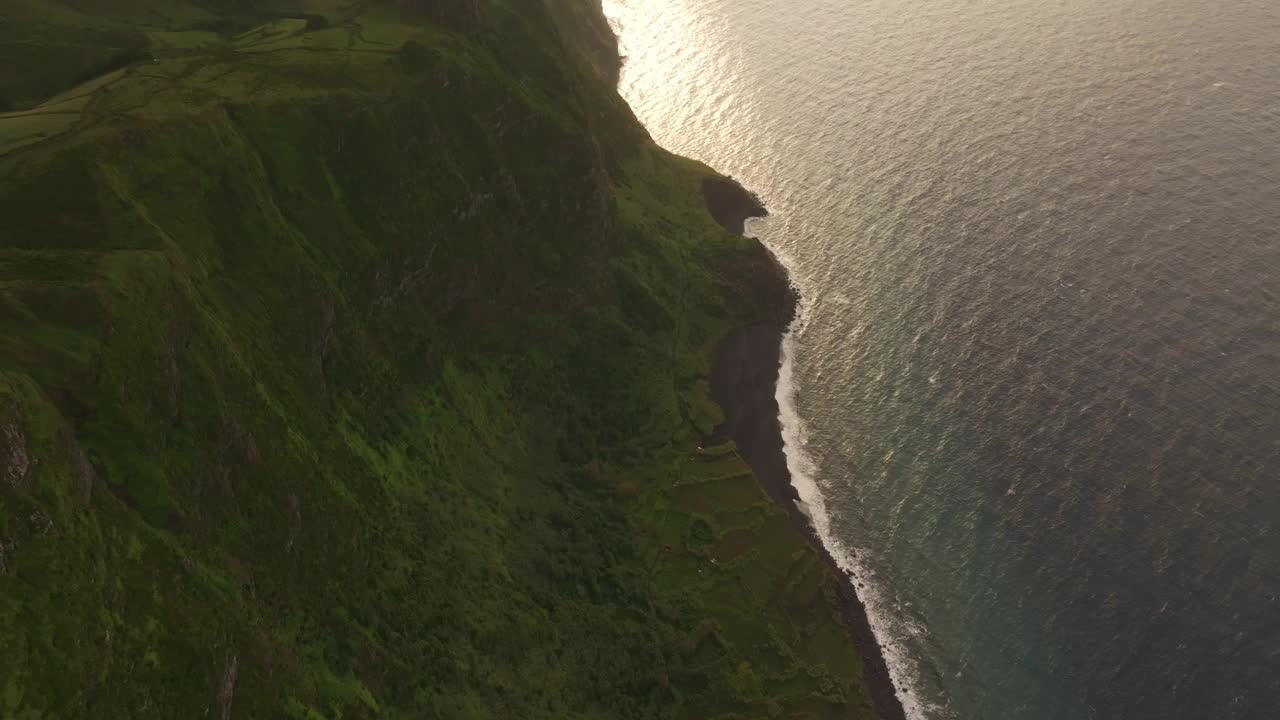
(178, 72)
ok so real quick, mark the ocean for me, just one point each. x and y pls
(1033, 397)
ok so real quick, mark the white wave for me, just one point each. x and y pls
(890, 627)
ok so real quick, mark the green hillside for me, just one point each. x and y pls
(352, 363)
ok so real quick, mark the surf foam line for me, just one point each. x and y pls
(889, 629)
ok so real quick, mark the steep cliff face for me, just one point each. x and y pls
(354, 369)
(585, 29)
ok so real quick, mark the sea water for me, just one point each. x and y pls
(1033, 397)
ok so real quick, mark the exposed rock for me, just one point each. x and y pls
(229, 686)
(731, 204)
(295, 519)
(251, 453)
(86, 473)
(238, 443)
(173, 381)
(41, 523)
(14, 460)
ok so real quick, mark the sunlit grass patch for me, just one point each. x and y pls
(26, 128)
(383, 35)
(269, 32)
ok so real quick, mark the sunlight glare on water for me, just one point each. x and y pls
(1034, 395)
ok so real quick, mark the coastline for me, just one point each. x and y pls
(744, 377)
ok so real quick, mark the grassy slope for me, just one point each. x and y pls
(358, 379)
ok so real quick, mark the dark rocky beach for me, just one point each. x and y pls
(744, 377)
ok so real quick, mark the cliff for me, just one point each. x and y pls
(353, 364)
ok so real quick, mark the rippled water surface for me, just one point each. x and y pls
(1034, 400)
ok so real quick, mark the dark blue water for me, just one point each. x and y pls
(1034, 397)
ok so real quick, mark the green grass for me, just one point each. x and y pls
(163, 40)
(25, 129)
(367, 384)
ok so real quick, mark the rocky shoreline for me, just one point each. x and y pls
(744, 377)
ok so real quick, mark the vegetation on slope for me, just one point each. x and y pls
(353, 367)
